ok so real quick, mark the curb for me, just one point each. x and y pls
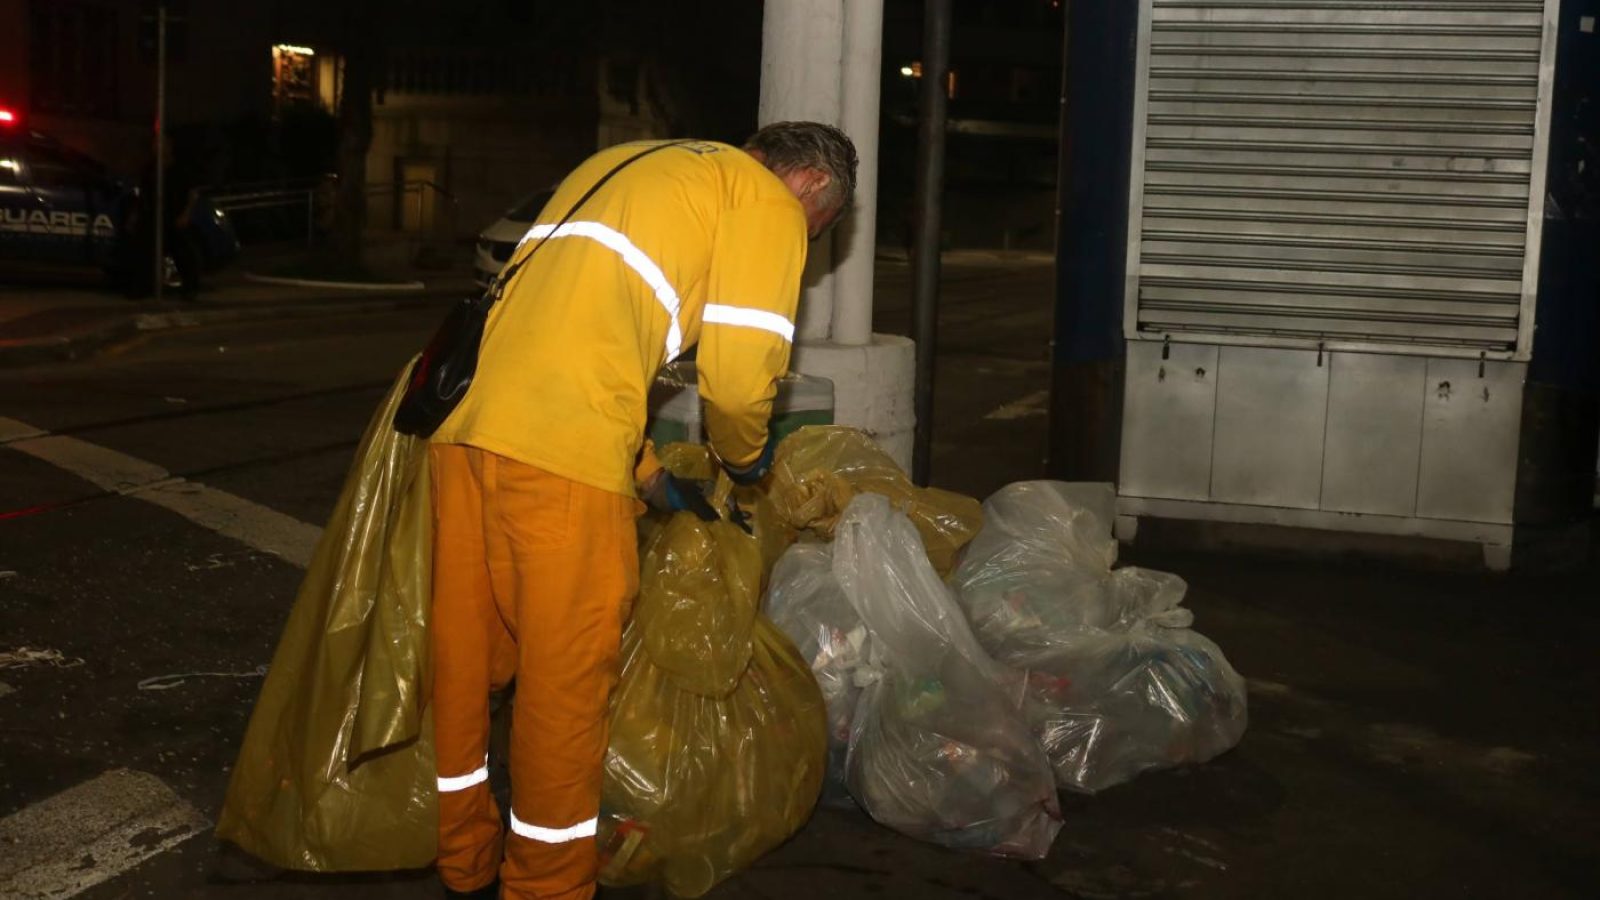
(68, 346)
(352, 286)
(93, 338)
(306, 309)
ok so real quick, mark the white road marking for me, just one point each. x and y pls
(62, 846)
(12, 430)
(1031, 405)
(251, 523)
(111, 823)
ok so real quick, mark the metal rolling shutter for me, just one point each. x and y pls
(1343, 173)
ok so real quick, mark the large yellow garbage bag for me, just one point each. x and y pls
(818, 469)
(336, 772)
(718, 729)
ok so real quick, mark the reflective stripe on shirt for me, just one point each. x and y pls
(643, 265)
(718, 314)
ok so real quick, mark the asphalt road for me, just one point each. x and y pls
(269, 414)
(1414, 732)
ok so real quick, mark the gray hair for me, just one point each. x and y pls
(787, 146)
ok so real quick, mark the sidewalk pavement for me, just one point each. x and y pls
(48, 320)
(55, 317)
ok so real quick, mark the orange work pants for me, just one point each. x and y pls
(533, 575)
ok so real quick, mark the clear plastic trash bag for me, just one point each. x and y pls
(1117, 682)
(336, 771)
(938, 749)
(1148, 698)
(807, 604)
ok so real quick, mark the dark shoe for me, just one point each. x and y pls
(490, 891)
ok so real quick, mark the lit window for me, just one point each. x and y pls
(297, 76)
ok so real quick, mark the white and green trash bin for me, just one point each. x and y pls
(675, 413)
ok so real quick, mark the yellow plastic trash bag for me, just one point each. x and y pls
(697, 603)
(336, 772)
(718, 730)
(772, 532)
(819, 468)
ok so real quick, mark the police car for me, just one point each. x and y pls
(59, 207)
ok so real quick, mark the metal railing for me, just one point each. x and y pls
(403, 193)
(317, 195)
(284, 194)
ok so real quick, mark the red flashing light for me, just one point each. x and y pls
(7, 117)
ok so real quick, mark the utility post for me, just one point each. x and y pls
(158, 226)
(925, 259)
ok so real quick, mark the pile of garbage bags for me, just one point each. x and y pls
(719, 735)
(928, 737)
(944, 666)
(1098, 662)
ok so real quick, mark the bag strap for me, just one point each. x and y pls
(498, 289)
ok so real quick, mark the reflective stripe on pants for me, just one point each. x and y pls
(533, 575)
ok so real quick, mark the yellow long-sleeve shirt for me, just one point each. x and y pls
(693, 244)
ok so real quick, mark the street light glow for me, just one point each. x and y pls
(907, 71)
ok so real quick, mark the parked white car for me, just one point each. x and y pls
(496, 242)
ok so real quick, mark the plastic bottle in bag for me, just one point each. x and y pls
(805, 602)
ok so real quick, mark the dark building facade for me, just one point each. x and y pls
(84, 70)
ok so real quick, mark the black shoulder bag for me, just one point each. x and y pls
(441, 376)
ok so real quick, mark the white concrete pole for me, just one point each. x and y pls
(855, 240)
(801, 49)
(821, 61)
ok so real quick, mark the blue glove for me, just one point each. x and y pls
(753, 473)
(673, 494)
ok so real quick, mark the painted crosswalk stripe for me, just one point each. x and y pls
(111, 823)
(251, 523)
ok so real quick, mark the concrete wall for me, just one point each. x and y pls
(486, 152)
(13, 53)
(221, 73)
(625, 108)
